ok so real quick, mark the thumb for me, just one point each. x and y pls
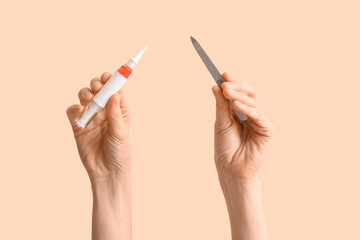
(222, 106)
(113, 112)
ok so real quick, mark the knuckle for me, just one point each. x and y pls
(82, 92)
(70, 109)
(254, 112)
(250, 100)
(105, 74)
(227, 92)
(241, 96)
(244, 98)
(225, 85)
(94, 81)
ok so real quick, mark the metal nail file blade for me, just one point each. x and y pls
(214, 72)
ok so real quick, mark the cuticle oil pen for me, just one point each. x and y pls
(113, 85)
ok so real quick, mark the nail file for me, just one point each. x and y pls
(214, 73)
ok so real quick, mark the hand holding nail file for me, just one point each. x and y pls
(113, 85)
(214, 72)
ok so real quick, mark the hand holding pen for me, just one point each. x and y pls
(105, 151)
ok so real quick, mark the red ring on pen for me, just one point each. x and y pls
(125, 71)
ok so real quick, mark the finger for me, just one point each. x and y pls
(95, 85)
(264, 127)
(257, 118)
(74, 112)
(123, 105)
(105, 77)
(238, 86)
(85, 96)
(222, 106)
(233, 95)
(227, 77)
(251, 112)
(114, 113)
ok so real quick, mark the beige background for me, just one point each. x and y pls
(302, 56)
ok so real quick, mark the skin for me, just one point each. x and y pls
(105, 151)
(239, 148)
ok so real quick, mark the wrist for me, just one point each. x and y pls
(236, 185)
(112, 207)
(114, 185)
(242, 180)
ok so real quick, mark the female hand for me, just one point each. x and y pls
(239, 146)
(104, 145)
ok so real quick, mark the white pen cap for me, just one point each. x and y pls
(135, 59)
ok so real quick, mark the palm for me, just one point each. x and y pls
(101, 150)
(238, 147)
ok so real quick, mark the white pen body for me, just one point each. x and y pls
(112, 86)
